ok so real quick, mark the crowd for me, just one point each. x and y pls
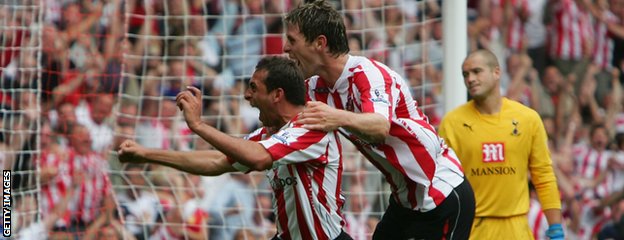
(110, 71)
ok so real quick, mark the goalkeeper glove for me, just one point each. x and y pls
(555, 232)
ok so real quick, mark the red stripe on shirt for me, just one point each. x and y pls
(278, 151)
(303, 228)
(339, 200)
(417, 149)
(597, 165)
(282, 216)
(387, 85)
(318, 176)
(318, 225)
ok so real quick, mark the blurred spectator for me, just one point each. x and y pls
(232, 210)
(244, 45)
(165, 130)
(56, 173)
(536, 34)
(91, 174)
(602, 46)
(359, 223)
(614, 229)
(138, 202)
(570, 42)
(558, 99)
(126, 114)
(591, 161)
(524, 80)
(26, 225)
(61, 119)
(94, 114)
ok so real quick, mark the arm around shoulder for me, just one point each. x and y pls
(371, 127)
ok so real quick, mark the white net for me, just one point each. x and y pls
(109, 70)
(20, 47)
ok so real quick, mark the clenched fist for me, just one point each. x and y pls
(131, 152)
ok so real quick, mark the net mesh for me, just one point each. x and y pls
(79, 77)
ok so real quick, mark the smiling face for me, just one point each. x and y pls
(300, 50)
(481, 79)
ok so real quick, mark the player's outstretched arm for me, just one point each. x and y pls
(371, 127)
(207, 163)
(248, 153)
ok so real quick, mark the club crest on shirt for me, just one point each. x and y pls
(515, 131)
(380, 97)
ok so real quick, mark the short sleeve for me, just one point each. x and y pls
(255, 136)
(297, 145)
(375, 91)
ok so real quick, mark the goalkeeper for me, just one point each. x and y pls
(499, 142)
(304, 167)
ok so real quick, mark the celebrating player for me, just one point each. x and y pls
(304, 166)
(373, 107)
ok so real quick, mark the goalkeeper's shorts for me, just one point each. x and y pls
(508, 228)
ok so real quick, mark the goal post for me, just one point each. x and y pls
(455, 44)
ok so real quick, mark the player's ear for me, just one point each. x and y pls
(279, 95)
(497, 72)
(320, 42)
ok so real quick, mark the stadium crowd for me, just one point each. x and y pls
(110, 71)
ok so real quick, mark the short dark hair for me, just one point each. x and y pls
(285, 74)
(320, 18)
(595, 127)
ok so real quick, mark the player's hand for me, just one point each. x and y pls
(190, 102)
(131, 152)
(320, 116)
(555, 232)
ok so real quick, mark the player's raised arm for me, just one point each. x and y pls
(249, 153)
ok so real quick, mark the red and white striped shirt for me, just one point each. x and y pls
(306, 177)
(570, 31)
(591, 220)
(420, 168)
(603, 41)
(514, 38)
(589, 163)
(58, 187)
(95, 185)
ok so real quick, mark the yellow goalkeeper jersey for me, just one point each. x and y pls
(497, 152)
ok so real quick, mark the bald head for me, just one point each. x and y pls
(488, 57)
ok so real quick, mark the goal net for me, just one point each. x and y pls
(80, 77)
